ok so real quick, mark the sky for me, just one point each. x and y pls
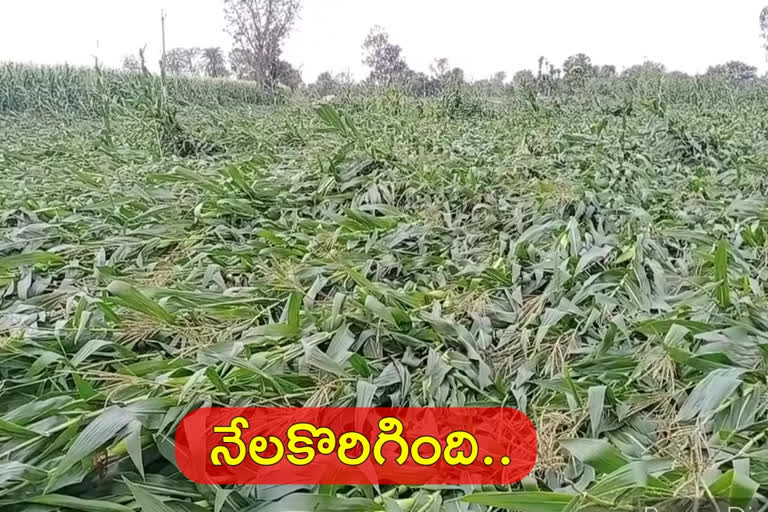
(480, 36)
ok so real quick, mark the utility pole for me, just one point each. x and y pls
(162, 31)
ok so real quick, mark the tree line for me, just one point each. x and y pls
(259, 27)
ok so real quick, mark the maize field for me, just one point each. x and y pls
(596, 258)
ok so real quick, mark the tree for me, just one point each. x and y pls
(578, 67)
(131, 63)
(677, 75)
(214, 65)
(498, 78)
(647, 68)
(605, 71)
(543, 63)
(284, 73)
(733, 71)
(183, 61)
(238, 63)
(443, 74)
(328, 83)
(523, 79)
(384, 58)
(455, 76)
(419, 84)
(439, 68)
(344, 78)
(494, 84)
(325, 84)
(281, 72)
(764, 27)
(259, 28)
(547, 71)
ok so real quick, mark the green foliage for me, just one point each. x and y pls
(76, 91)
(258, 29)
(734, 71)
(577, 68)
(383, 58)
(596, 260)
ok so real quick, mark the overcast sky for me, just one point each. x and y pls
(481, 36)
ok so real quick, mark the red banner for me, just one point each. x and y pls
(408, 446)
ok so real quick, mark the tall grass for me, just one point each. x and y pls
(75, 90)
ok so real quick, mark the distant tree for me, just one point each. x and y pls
(543, 63)
(131, 63)
(325, 78)
(764, 27)
(734, 71)
(523, 79)
(344, 78)
(384, 58)
(548, 77)
(325, 84)
(239, 65)
(284, 73)
(646, 68)
(214, 65)
(455, 76)
(183, 61)
(443, 74)
(259, 28)
(499, 78)
(678, 75)
(328, 83)
(439, 68)
(492, 85)
(547, 71)
(419, 84)
(605, 71)
(578, 67)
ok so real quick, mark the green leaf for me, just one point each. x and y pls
(93, 346)
(271, 331)
(46, 359)
(630, 476)
(735, 485)
(722, 291)
(147, 501)
(29, 258)
(380, 310)
(15, 430)
(95, 435)
(595, 402)
(591, 256)
(137, 301)
(216, 380)
(134, 448)
(710, 393)
(599, 454)
(294, 308)
(743, 489)
(365, 394)
(318, 503)
(332, 118)
(222, 496)
(81, 505)
(14, 471)
(318, 359)
(84, 388)
(522, 501)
